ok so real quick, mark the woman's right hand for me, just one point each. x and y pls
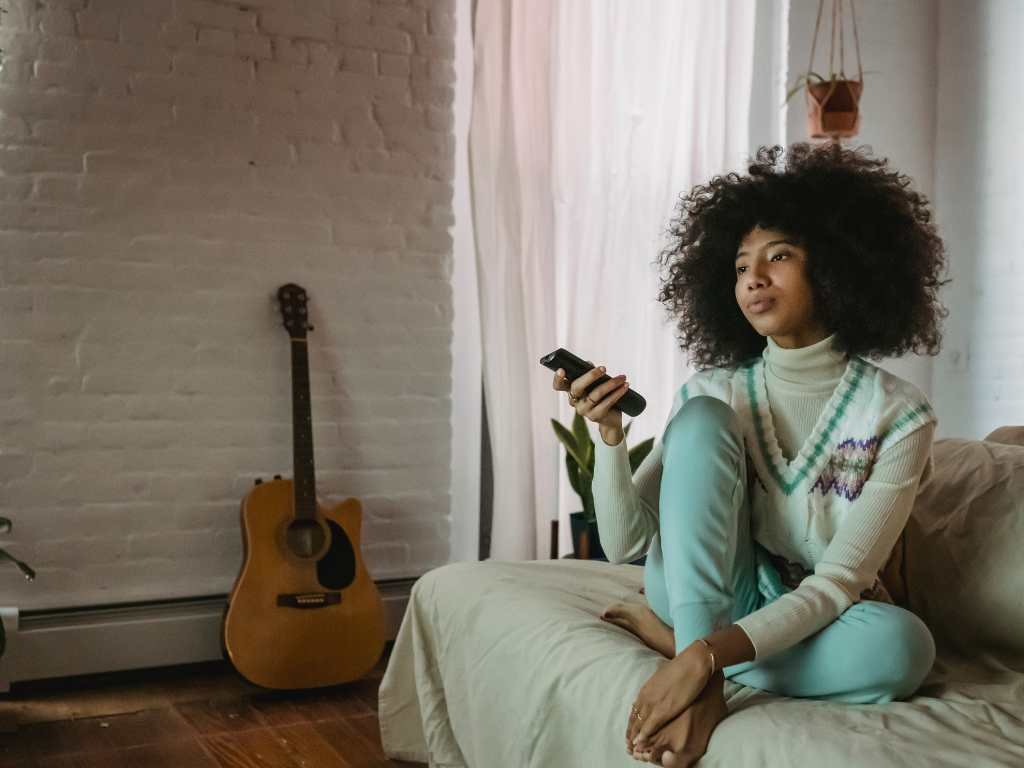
(597, 405)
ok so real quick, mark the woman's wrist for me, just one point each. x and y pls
(711, 653)
(731, 646)
(701, 659)
(612, 436)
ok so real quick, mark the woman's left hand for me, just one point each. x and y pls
(684, 740)
(669, 691)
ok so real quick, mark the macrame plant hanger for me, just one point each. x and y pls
(833, 105)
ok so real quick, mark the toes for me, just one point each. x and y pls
(643, 754)
(613, 610)
(647, 752)
(655, 750)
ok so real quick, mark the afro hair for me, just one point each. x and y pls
(873, 255)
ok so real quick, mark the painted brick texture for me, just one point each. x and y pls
(164, 166)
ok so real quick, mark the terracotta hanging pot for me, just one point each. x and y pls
(833, 105)
(833, 108)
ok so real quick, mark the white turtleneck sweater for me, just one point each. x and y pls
(799, 383)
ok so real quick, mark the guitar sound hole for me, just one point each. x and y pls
(305, 538)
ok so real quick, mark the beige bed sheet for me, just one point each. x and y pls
(503, 664)
(507, 664)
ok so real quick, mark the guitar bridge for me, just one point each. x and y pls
(308, 599)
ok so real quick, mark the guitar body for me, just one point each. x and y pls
(304, 611)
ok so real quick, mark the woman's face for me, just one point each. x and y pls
(772, 268)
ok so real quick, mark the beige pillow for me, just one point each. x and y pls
(960, 562)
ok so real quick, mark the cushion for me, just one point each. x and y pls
(963, 570)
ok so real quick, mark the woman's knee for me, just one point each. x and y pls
(705, 417)
(903, 652)
(918, 652)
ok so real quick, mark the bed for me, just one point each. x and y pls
(507, 664)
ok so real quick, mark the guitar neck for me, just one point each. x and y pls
(302, 433)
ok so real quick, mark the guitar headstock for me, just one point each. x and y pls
(294, 316)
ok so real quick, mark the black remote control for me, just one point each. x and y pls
(632, 402)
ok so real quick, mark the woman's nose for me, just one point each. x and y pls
(755, 280)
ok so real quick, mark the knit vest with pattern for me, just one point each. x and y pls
(797, 505)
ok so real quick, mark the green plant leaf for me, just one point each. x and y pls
(584, 444)
(574, 475)
(588, 505)
(801, 82)
(569, 441)
(580, 432)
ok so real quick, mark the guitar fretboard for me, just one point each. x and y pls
(302, 433)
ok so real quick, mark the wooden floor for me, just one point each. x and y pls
(196, 716)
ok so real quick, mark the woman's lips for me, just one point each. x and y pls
(761, 306)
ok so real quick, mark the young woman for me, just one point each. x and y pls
(789, 463)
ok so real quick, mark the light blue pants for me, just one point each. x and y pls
(704, 571)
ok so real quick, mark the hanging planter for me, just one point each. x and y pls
(833, 104)
(833, 108)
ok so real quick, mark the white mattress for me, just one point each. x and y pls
(508, 664)
(504, 663)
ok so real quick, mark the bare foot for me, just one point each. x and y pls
(687, 735)
(645, 624)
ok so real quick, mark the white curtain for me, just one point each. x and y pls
(589, 120)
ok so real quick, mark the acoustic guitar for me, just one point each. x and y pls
(304, 611)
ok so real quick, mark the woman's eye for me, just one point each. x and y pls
(739, 270)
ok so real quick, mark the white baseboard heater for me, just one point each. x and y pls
(82, 641)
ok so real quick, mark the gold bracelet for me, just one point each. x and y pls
(711, 650)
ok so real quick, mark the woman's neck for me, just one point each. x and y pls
(809, 367)
(804, 337)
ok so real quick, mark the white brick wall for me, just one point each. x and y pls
(935, 106)
(979, 378)
(164, 166)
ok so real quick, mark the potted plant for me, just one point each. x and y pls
(833, 104)
(579, 461)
